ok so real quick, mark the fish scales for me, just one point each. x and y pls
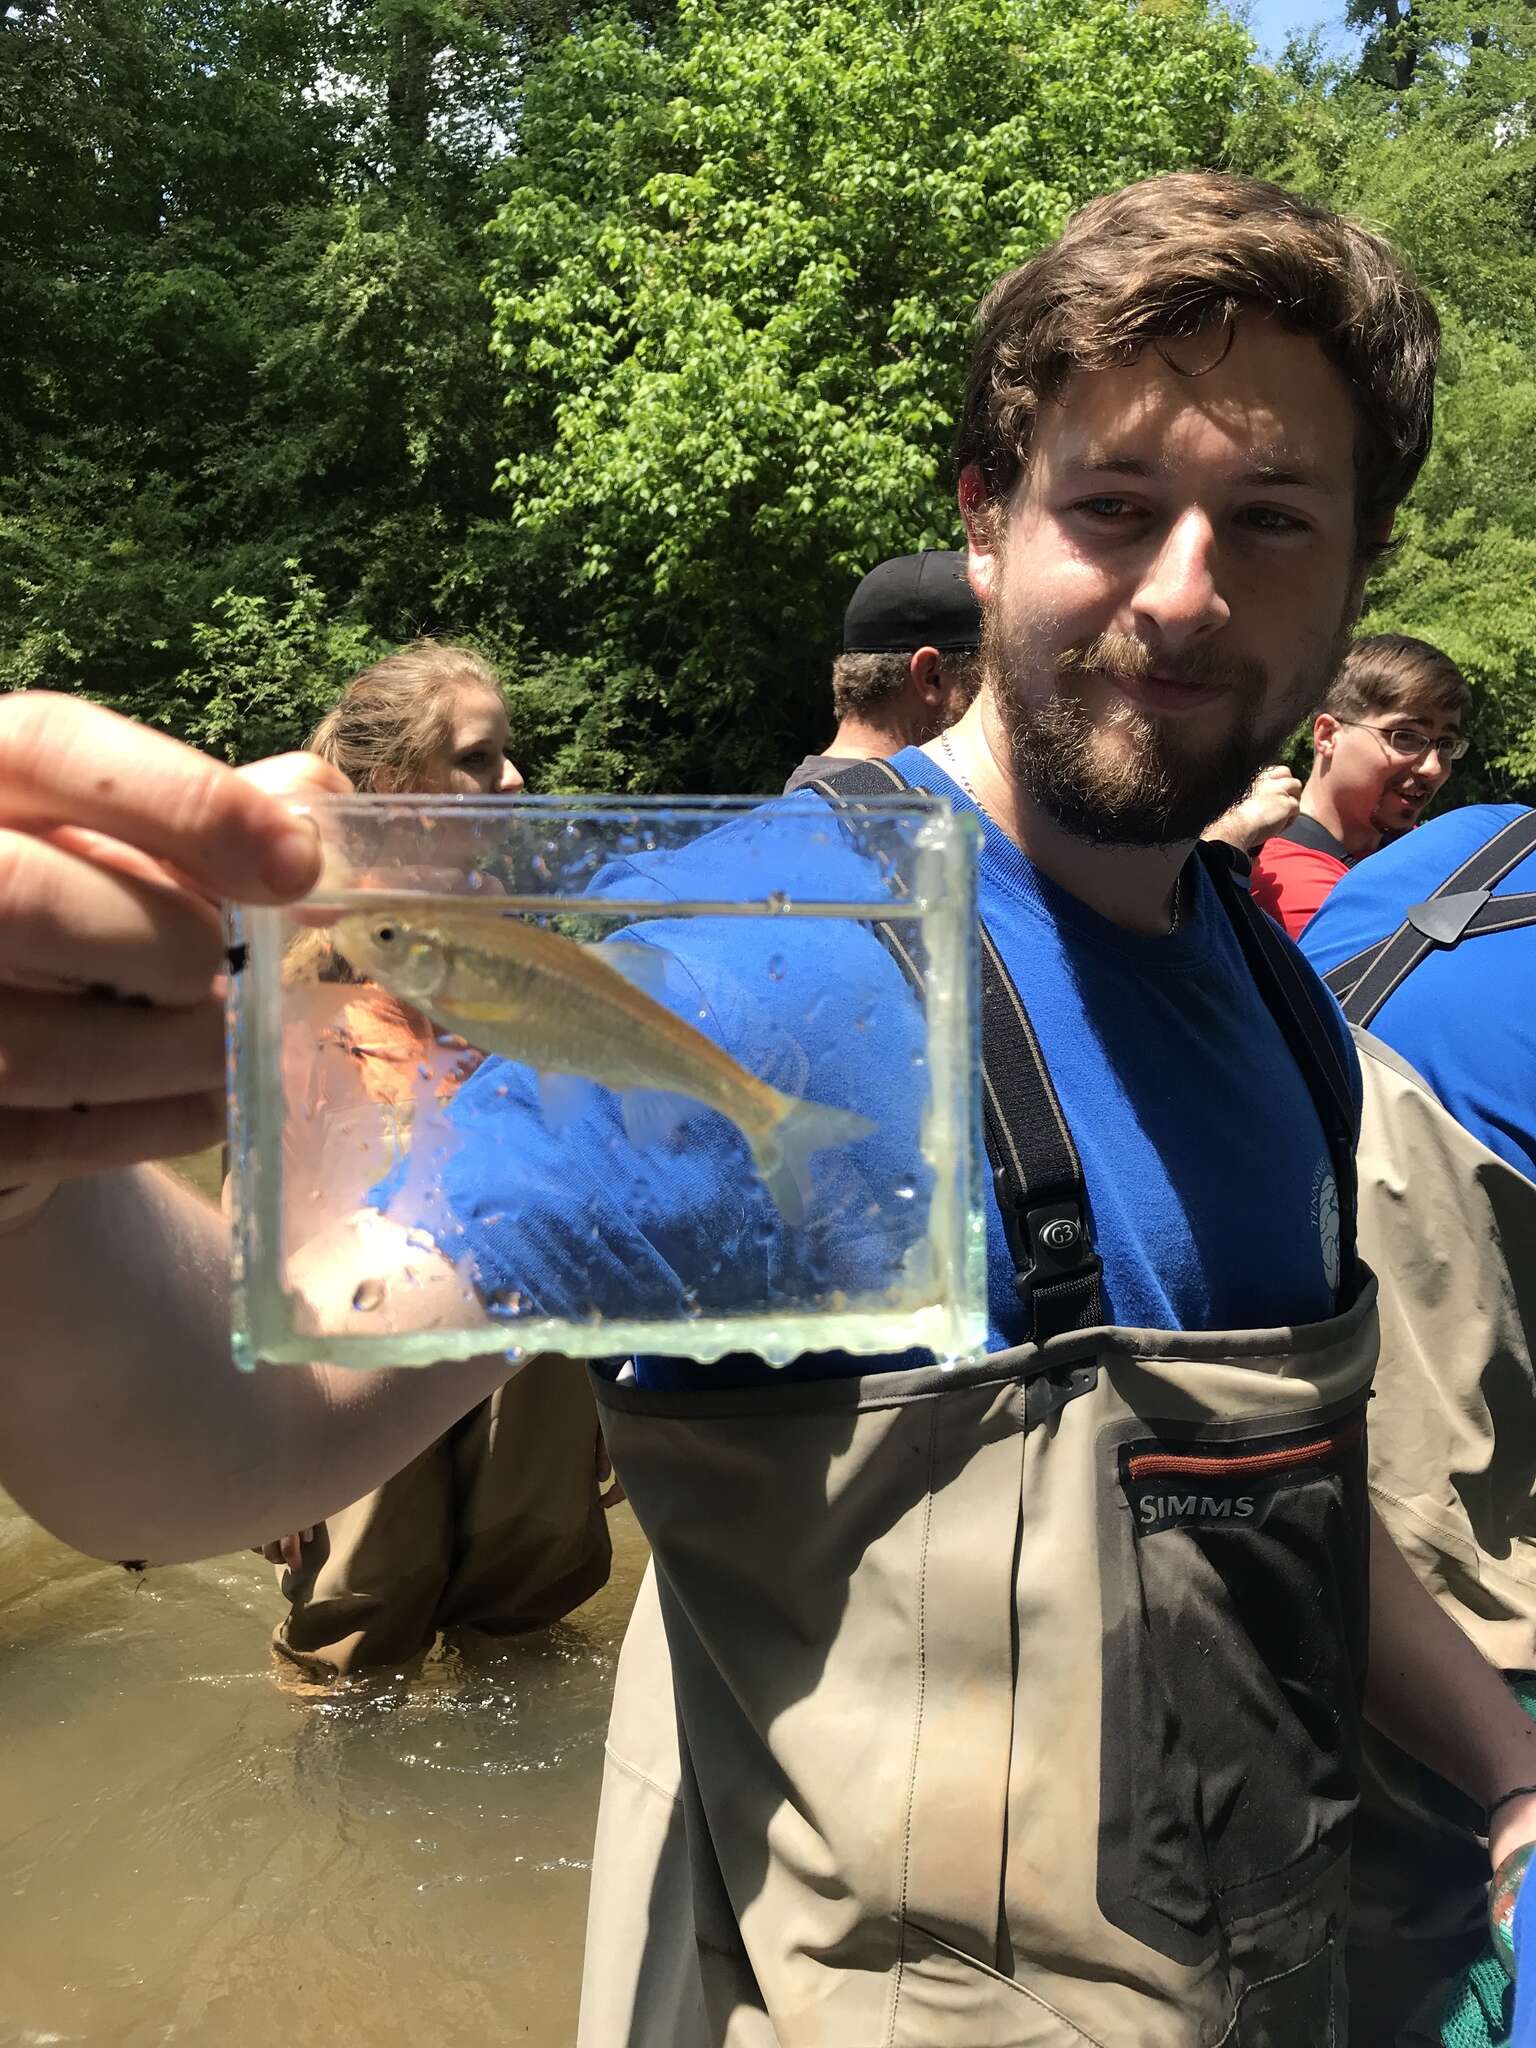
(511, 988)
(575, 1013)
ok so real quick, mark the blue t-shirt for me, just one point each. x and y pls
(1524, 2034)
(1465, 1017)
(1210, 1188)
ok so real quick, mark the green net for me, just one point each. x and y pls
(1481, 2013)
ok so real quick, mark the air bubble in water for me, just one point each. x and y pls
(904, 1191)
(369, 1295)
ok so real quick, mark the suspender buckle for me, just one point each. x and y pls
(1445, 918)
(1049, 1242)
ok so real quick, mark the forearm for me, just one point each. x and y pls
(124, 1426)
(1436, 1696)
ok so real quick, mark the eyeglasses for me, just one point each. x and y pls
(1409, 744)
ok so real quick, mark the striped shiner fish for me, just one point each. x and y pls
(562, 1008)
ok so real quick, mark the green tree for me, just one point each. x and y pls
(242, 238)
(734, 272)
(263, 673)
(1430, 138)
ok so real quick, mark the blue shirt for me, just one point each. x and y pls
(1210, 1188)
(1465, 1017)
(1524, 2034)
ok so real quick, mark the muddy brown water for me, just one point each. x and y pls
(192, 1854)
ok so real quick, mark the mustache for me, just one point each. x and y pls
(1123, 658)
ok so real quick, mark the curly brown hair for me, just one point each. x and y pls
(1190, 251)
(1394, 672)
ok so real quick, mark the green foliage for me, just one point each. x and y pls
(263, 673)
(262, 412)
(734, 273)
(242, 241)
(1431, 140)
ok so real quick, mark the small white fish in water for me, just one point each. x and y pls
(511, 988)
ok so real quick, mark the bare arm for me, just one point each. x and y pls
(1436, 1696)
(1268, 808)
(123, 1423)
(124, 1426)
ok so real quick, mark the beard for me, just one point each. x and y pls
(1122, 777)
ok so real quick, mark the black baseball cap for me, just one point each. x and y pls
(913, 601)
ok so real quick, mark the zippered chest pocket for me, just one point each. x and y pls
(1234, 1582)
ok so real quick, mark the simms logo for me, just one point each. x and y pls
(1194, 1507)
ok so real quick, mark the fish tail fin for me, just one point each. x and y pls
(783, 1154)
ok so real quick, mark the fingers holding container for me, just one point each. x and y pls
(116, 844)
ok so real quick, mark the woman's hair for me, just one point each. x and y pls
(389, 721)
(382, 732)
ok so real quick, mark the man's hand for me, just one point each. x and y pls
(285, 1550)
(115, 845)
(1268, 808)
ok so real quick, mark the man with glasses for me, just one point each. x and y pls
(1383, 744)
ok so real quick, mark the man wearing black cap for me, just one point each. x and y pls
(908, 666)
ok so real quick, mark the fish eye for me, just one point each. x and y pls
(385, 934)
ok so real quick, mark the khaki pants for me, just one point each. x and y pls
(496, 1526)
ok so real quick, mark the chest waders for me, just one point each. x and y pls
(1449, 1464)
(1007, 1705)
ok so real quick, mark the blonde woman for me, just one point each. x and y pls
(475, 1533)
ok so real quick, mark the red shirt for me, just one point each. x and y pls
(1290, 880)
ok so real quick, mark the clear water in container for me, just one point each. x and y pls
(530, 1109)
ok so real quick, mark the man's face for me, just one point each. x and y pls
(1384, 769)
(1171, 583)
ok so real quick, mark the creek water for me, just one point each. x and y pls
(194, 1852)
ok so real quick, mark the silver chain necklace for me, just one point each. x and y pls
(1177, 916)
(960, 775)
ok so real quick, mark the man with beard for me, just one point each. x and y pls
(1383, 744)
(1014, 1699)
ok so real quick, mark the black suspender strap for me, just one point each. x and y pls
(1295, 1000)
(1036, 1171)
(1463, 907)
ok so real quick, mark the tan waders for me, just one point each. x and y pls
(474, 1533)
(1009, 1705)
(1451, 1230)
